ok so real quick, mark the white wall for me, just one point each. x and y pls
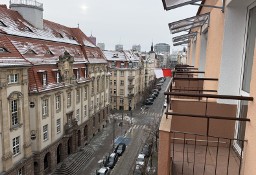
(232, 55)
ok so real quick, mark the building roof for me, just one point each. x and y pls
(27, 45)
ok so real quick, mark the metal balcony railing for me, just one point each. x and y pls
(212, 155)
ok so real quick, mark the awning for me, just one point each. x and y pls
(172, 4)
(181, 43)
(184, 37)
(189, 23)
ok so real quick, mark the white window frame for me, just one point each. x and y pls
(85, 111)
(16, 145)
(85, 93)
(14, 112)
(44, 78)
(58, 126)
(57, 77)
(45, 107)
(69, 99)
(58, 102)
(45, 132)
(13, 78)
(242, 92)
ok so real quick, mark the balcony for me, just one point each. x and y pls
(196, 134)
(130, 77)
(130, 86)
(131, 95)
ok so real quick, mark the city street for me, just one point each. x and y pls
(135, 131)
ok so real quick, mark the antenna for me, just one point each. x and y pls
(78, 25)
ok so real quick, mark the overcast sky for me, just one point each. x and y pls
(112, 22)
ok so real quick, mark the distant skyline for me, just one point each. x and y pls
(114, 22)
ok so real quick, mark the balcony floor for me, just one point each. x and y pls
(227, 163)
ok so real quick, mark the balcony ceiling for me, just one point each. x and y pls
(189, 23)
(172, 4)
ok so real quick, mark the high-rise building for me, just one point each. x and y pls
(162, 48)
(119, 47)
(136, 48)
(101, 46)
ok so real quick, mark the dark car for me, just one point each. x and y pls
(155, 94)
(152, 96)
(146, 150)
(155, 91)
(148, 102)
(120, 148)
(150, 99)
(111, 160)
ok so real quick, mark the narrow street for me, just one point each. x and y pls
(135, 133)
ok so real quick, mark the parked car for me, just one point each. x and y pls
(103, 171)
(150, 99)
(138, 170)
(146, 150)
(155, 93)
(148, 102)
(152, 96)
(165, 104)
(120, 148)
(111, 160)
(140, 160)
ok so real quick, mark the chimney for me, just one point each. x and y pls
(32, 11)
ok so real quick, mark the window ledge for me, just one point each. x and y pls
(16, 154)
(15, 127)
(45, 116)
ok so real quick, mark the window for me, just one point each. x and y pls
(45, 107)
(113, 64)
(85, 93)
(68, 99)
(14, 112)
(93, 121)
(58, 102)
(77, 115)
(44, 78)
(121, 92)
(77, 74)
(122, 83)
(3, 50)
(122, 73)
(114, 99)
(122, 101)
(130, 64)
(92, 105)
(45, 132)
(13, 78)
(58, 77)
(115, 73)
(122, 65)
(97, 102)
(16, 145)
(85, 110)
(249, 53)
(58, 126)
(114, 82)
(114, 91)
(92, 88)
(20, 171)
(77, 96)
(98, 85)
(110, 82)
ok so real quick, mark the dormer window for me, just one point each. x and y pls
(122, 65)
(13, 78)
(48, 52)
(27, 29)
(3, 50)
(30, 51)
(77, 73)
(2, 24)
(44, 80)
(60, 35)
(113, 64)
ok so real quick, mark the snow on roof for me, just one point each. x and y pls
(96, 60)
(114, 56)
(17, 25)
(88, 43)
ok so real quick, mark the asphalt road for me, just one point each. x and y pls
(136, 132)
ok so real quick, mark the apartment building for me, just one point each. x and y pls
(208, 127)
(127, 80)
(54, 90)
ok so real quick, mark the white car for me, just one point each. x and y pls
(103, 171)
(165, 104)
(140, 160)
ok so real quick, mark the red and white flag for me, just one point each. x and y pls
(163, 72)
